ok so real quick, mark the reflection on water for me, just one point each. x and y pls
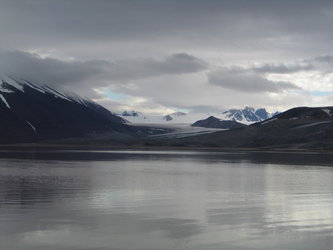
(165, 200)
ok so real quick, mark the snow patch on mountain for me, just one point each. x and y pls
(327, 111)
(32, 126)
(4, 100)
(34, 86)
(58, 94)
(12, 82)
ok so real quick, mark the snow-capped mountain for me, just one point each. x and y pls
(30, 112)
(247, 115)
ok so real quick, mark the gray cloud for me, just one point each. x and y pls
(322, 59)
(323, 64)
(114, 18)
(237, 24)
(281, 68)
(57, 72)
(243, 80)
(204, 108)
(144, 68)
(320, 63)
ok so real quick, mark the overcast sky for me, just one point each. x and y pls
(159, 56)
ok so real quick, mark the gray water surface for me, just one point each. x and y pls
(165, 200)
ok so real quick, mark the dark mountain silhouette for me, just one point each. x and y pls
(213, 122)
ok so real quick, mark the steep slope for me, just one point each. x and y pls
(213, 122)
(29, 112)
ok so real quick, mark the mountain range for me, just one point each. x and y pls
(297, 128)
(247, 115)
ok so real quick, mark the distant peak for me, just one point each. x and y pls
(248, 108)
(168, 118)
(212, 118)
(247, 114)
(130, 113)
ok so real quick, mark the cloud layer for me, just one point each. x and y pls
(59, 72)
(167, 55)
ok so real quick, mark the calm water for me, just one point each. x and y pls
(165, 200)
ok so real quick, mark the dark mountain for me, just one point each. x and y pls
(306, 113)
(298, 128)
(213, 122)
(30, 113)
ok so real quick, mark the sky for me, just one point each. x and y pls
(158, 57)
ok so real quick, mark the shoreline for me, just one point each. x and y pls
(96, 147)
